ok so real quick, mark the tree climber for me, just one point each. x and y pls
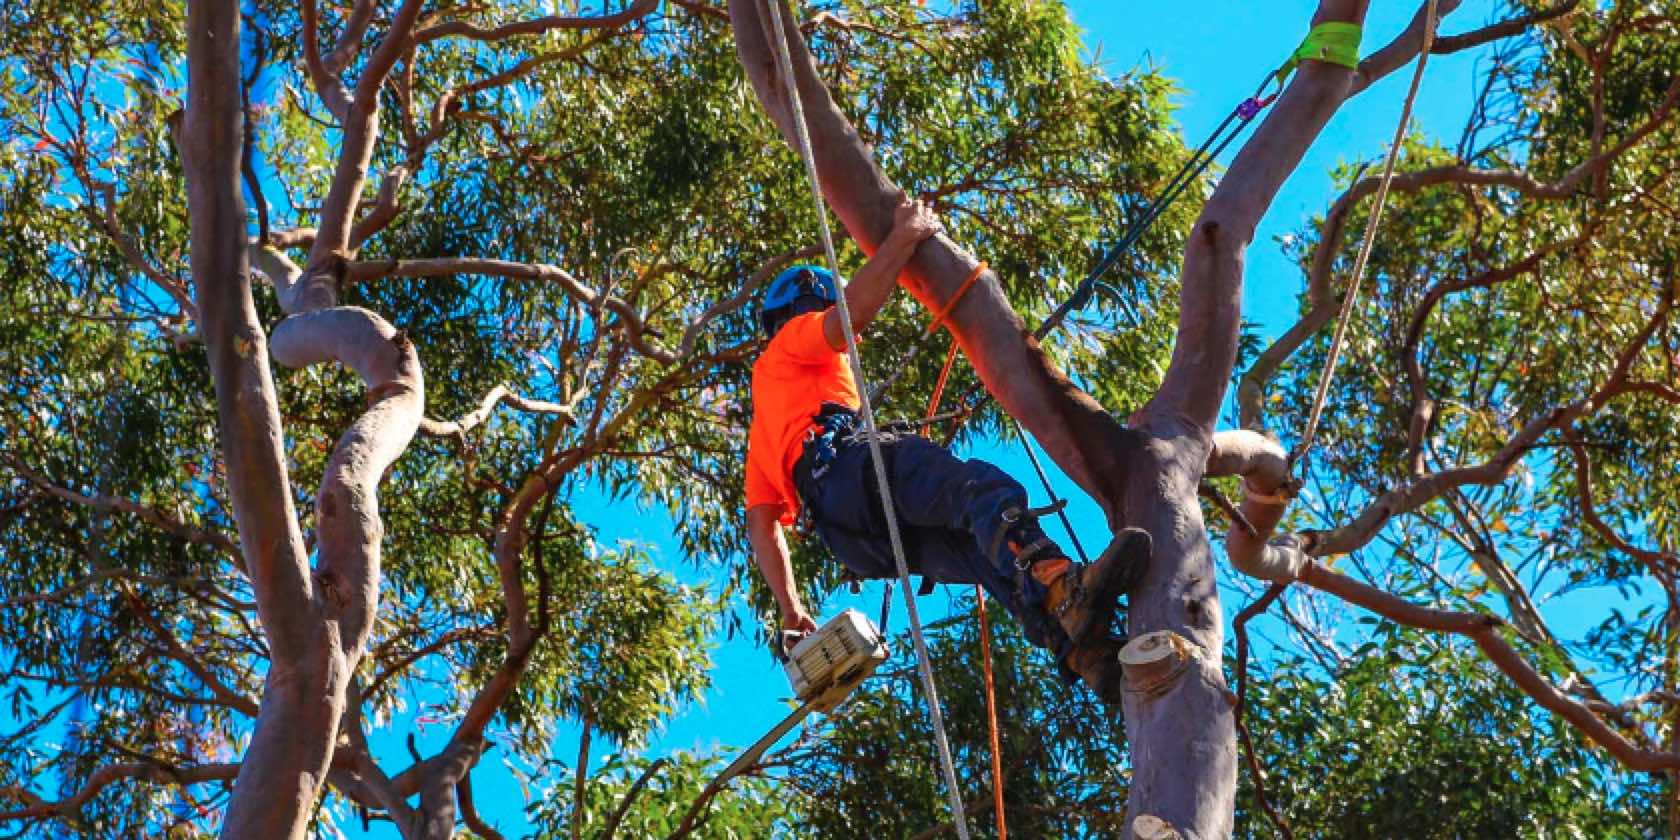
(962, 521)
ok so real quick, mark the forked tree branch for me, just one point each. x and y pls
(1420, 491)
(355, 26)
(327, 84)
(1423, 407)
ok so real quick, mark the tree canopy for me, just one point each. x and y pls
(534, 235)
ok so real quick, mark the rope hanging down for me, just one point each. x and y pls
(923, 663)
(992, 737)
(1304, 447)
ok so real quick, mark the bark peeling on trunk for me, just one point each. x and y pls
(1182, 735)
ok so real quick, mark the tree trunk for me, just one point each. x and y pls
(280, 775)
(315, 625)
(1178, 717)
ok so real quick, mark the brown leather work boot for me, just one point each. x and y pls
(1097, 663)
(1083, 598)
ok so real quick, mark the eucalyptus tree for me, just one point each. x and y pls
(541, 228)
(1593, 140)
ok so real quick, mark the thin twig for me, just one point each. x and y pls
(1240, 627)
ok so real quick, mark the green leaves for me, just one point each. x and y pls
(1418, 738)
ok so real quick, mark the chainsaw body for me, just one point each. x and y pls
(827, 665)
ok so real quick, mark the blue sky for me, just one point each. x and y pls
(1217, 57)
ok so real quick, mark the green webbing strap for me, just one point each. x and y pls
(1335, 42)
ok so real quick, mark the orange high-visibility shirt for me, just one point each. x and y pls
(791, 380)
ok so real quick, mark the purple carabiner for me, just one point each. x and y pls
(1249, 108)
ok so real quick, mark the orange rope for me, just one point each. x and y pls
(939, 319)
(979, 593)
(991, 711)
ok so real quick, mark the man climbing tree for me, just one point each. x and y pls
(962, 521)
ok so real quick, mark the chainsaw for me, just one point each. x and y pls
(824, 668)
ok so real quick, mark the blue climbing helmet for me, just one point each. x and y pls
(789, 288)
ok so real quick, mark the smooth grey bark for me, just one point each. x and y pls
(1181, 732)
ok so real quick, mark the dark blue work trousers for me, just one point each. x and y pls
(949, 512)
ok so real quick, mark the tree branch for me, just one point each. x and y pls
(149, 515)
(106, 214)
(536, 26)
(68, 808)
(469, 811)
(1423, 407)
(1484, 631)
(327, 84)
(1420, 491)
(497, 395)
(360, 132)
(1662, 565)
(1322, 303)
(355, 26)
(635, 326)
(611, 826)
(179, 653)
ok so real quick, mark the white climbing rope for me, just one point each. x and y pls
(1304, 446)
(923, 663)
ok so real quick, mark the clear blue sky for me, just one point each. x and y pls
(1217, 57)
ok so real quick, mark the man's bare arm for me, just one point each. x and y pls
(875, 282)
(770, 552)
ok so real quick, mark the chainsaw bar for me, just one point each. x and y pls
(756, 751)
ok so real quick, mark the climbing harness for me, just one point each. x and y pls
(784, 60)
(1303, 448)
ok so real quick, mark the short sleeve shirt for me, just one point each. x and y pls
(791, 380)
